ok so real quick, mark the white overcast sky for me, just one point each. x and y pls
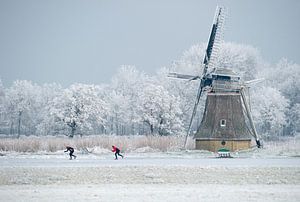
(68, 41)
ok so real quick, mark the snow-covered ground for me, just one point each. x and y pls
(172, 176)
(151, 192)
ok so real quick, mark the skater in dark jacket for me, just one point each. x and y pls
(117, 152)
(71, 150)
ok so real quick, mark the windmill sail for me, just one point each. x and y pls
(215, 39)
(183, 76)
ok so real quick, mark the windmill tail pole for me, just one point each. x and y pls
(258, 143)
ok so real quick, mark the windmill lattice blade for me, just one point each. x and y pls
(194, 113)
(183, 76)
(215, 39)
(254, 81)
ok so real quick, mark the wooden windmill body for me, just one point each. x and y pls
(227, 121)
(223, 123)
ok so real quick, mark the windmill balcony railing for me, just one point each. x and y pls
(226, 88)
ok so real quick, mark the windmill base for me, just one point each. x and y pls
(215, 145)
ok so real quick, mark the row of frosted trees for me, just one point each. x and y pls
(133, 104)
(138, 104)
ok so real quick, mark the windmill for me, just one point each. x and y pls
(227, 120)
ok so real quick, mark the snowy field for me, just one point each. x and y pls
(158, 176)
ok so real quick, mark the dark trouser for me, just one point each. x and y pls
(118, 154)
(71, 154)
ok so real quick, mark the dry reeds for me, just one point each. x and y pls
(126, 143)
(288, 145)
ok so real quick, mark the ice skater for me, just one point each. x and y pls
(71, 150)
(117, 152)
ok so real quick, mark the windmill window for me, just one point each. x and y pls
(223, 123)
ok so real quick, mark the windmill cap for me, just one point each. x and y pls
(225, 72)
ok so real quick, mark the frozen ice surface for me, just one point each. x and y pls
(170, 176)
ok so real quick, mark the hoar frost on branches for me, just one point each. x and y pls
(77, 106)
(269, 108)
(122, 96)
(47, 124)
(243, 59)
(285, 76)
(160, 110)
(22, 106)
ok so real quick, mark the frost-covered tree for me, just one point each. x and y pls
(285, 76)
(118, 110)
(268, 108)
(159, 110)
(78, 106)
(243, 59)
(48, 125)
(21, 106)
(2, 108)
(191, 61)
(293, 119)
(123, 96)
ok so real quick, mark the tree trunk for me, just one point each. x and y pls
(139, 129)
(112, 125)
(19, 124)
(143, 129)
(160, 131)
(102, 129)
(132, 129)
(73, 129)
(117, 124)
(151, 129)
(12, 128)
(73, 126)
(117, 129)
